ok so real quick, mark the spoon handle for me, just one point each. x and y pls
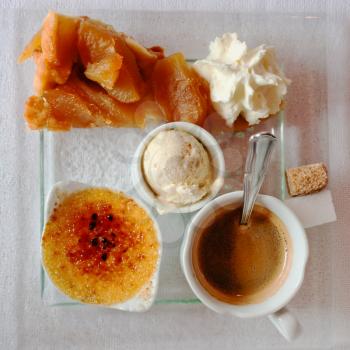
(259, 153)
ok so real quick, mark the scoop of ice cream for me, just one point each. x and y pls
(177, 167)
(243, 81)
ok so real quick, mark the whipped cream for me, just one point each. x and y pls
(246, 82)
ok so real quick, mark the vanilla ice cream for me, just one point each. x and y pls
(177, 168)
(243, 81)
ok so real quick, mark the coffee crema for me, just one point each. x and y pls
(241, 264)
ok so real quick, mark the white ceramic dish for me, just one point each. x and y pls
(284, 321)
(208, 142)
(144, 299)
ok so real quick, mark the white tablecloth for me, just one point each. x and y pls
(26, 324)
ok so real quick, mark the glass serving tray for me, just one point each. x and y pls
(104, 156)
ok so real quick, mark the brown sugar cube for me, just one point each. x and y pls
(306, 179)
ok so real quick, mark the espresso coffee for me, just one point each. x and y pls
(241, 264)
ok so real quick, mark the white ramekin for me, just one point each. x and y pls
(208, 142)
(144, 299)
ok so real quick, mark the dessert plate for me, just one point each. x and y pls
(105, 156)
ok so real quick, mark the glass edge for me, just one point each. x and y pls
(42, 204)
(193, 301)
(312, 15)
(177, 301)
(68, 303)
(282, 156)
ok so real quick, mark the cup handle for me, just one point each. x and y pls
(286, 323)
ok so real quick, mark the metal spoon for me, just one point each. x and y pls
(259, 153)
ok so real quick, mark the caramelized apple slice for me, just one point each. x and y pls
(109, 61)
(58, 110)
(147, 112)
(129, 86)
(112, 112)
(117, 114)
(98, 54)
(47, 75)
(54, 51)
(105, 71)
(33, 46)
(36, 112)
(141, 53)
(181, 93)
(78, 104)
(158, 51)
(59, 39)
(145, 58)
(125, 90)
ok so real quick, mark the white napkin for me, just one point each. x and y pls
(314, 209)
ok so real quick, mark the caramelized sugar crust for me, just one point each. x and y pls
(100, 247)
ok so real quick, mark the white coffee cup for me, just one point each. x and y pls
(273, 305)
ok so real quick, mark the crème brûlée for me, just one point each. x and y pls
(100, 247)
